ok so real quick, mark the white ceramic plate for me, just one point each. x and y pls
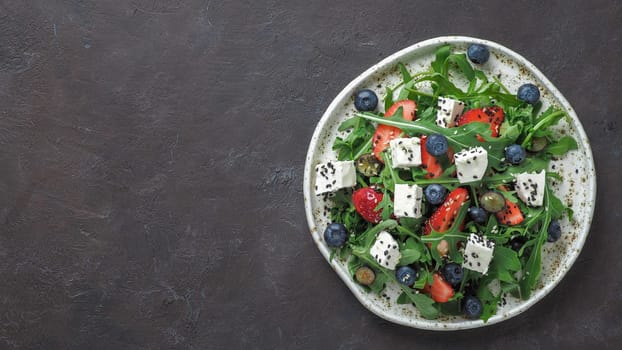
(578, 190)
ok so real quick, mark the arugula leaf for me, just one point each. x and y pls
(423, 303)
(425, 277)
(461, 61)
(379, 282)
(548, 118)
(489, 301)
(405, 74)
(442, 52)
(411, 224)
(556, 207)
(533, 267)
(366, 239)
(561, 146)
(386, 205)
(358, 142)
(388, 98)
(504, 264)
(453, 307)
(442, 84)
(411, 252)
(353, 264)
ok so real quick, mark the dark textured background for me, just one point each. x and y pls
(152, 158)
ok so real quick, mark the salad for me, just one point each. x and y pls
(448, 193)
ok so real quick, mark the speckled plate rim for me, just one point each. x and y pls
(389, 63)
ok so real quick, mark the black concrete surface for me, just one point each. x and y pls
(151, 164)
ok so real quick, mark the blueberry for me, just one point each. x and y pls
(554, 231)
(478, 215)
(453, 274)
(436, 144)
(435, 194)
(406, 275)
(478, 53)
(517, 243)
(528, 93)
(365, 100)
(473, 308)
(515, 154)
(335, 235)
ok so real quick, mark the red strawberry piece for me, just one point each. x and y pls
(381, 138)
(386, 133)
(492, 115)
(440, 290)
(365, 201)
(443, 218)
(511, 215)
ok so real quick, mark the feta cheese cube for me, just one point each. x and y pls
(332, 176)
(405, 152)
(530, 187)
(386, 250)
(478, 253)
(448, 110)
(407, 201)
(471, 164)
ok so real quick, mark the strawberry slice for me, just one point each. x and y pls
(511, 215)
(443, 218)
(492, 115)
(440, 290)
(386, 133)
(381, 138)
(365, 201)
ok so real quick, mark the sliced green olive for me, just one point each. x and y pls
(538, 144)
(365, 275)
(368, 165)
(492, 201)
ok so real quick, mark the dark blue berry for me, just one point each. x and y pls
(435, 194)
(473, 308)
(453, 274)
(528, 93)
(478, 53)
(479, 215)
(335, 235)
(436, 144)
(406, 275)
(365, 100)
(515, 154)
(517, 243)
(554, 231)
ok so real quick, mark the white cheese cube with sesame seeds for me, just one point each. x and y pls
(478, 253)
(386, 250)
(530, 187)
(405, 152)
(332, 176)
(407, 201)
(471, 164)
(448, 110)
